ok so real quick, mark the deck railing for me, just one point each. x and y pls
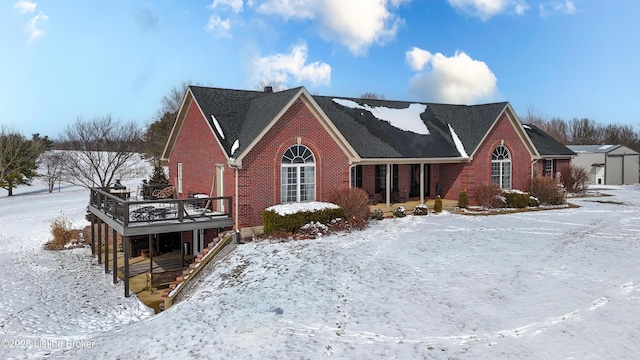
(129, 212)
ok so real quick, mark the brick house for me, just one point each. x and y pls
(266, 148)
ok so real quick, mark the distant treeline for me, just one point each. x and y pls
(586, 131)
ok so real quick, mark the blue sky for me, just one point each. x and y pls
(65, 59)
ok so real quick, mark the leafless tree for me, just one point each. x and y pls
(372, 95)
(584, 132)
(275, 85)
(171, 101)
(53, 163)
(100, 151)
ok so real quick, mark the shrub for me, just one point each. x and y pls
(400, 211)
(158, 176)
(62, 233)
(575, 179)
(293, 222)
(488, 195)
(377, 214)
(355, 203)
(516, 199)
(546, 191)
(421, 209)
(437, 206)
(463, 200)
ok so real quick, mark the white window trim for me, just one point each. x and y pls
(309, 162)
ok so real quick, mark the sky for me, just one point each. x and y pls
(66, 60)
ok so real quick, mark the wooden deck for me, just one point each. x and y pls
(131, 218)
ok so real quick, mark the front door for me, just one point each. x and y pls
(415, 181)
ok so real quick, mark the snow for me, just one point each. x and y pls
(456, 140)
(557, 284)
(605, 147)
(526, 126)
(407, 119)
(235, 146)
(292, 208)
(217, 125)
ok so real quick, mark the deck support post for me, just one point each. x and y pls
(151, 250)
(99, 252)
(125, 243)
(114, 248)
(93, 234)
(106, 249)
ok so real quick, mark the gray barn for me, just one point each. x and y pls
(608, 164)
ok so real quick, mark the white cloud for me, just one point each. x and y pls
(25, 6)
(485, 9)
(356, 24)
(234, 5)
(563, 6)
(218, 27)
(278, 68)
(458, 79)
(418, 58)
(31, 28)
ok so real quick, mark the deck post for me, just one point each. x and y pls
(106, 249)
(125, 243)
(93, 234)
(99, 251)
(151, 259)
(114, 248)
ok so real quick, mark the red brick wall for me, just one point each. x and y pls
(259, 178)
(198, 150)
(457, 177)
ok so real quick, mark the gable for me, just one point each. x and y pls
(547, 146)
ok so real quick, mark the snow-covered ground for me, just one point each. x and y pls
(557, 284)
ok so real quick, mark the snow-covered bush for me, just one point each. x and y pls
(275, 219)
(377, 214)
(421, 209)
(400, 211)
(516, 199)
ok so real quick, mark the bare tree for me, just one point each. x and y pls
(53, 163)
(372, 95)
(275, 85)
(171, 101)
(100, 151)
(584, 132)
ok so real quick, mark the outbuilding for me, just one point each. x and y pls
(608, 164)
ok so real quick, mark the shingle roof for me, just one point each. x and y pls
(243, 115)
(546, 145)
(596, 149)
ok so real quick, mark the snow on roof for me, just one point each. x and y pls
(605, 147)
(407, 119)
(217, 125)
(458, 143)
(292, 208)
(526, 126)
(235, 146)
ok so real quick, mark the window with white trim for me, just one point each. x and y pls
(501, 167)
(298, 175)
(548, 168)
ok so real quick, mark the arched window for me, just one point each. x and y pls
(298, 175)
(501, 167)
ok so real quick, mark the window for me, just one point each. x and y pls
(298, 175)
(501, 167)
(356, 176)
(381, 178)
(549, 168)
